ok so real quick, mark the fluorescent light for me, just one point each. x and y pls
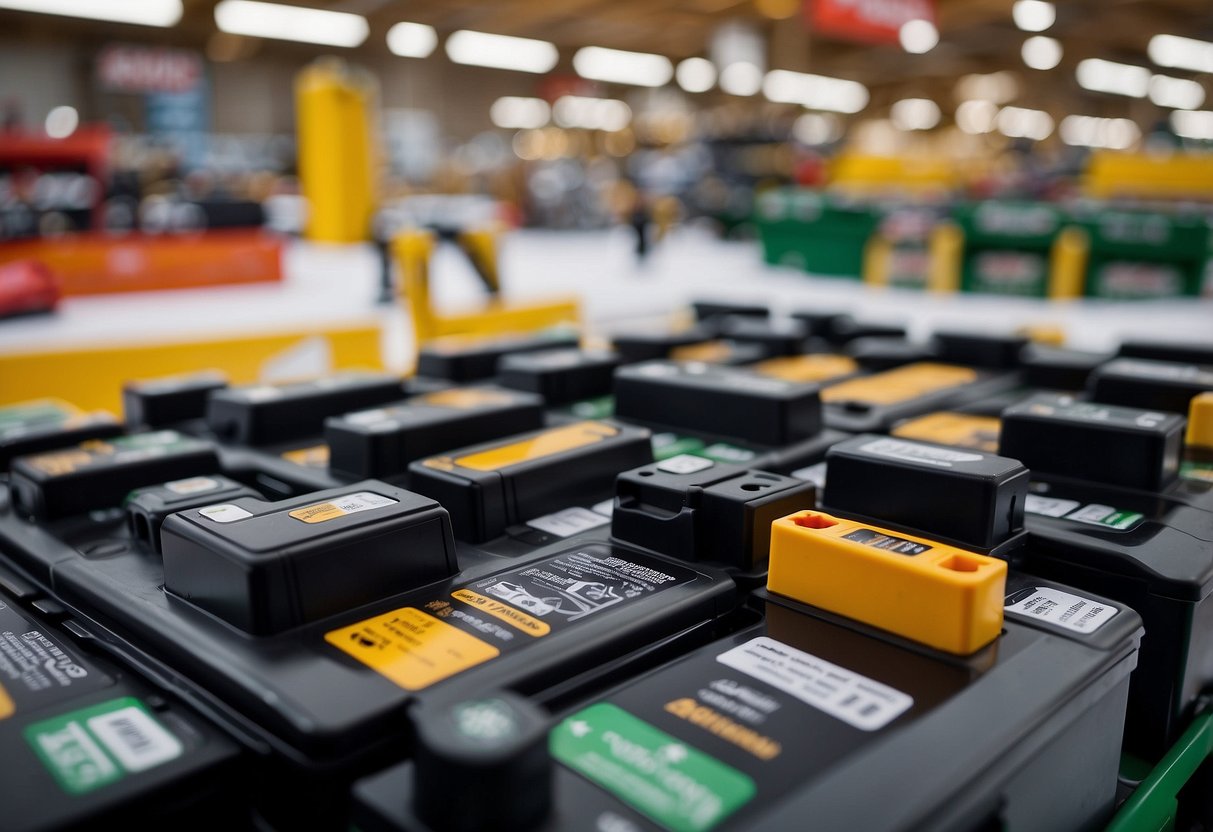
(1021, 123)
(1176, 93)
(696, 74)
(616, 66)
(61, 122)
(1181, 53)
(976, 116)
(1108, 76)
(914, 114)
(998, 87)
(1033, 15)
(591, 113)
(142, 12)
(516, 113)
(501, 51)
(411, 40)
(1092, 131)
(295, 23)
(816, 128)
(1193, 124)
(1040, 52)
(918, 36)
(817, 92)
(741, 78)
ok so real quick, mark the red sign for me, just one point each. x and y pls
(148, 69)
(866, 21)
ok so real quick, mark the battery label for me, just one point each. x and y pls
(891, 543)
(315, 456)
(900, 385)
(1093, 513)
(349, 504)
(95, 746)
(548, 443)
(36, 670)
(1196, 470)
(963, 430)
(569, 522)
(921, 454)
(602, 407)
(194, 485)
(671, 782)
(860, 702)
(224, 513)
(19, 419)
(1073, 612)
(466, 399)
(801, 368)
(113, 451)
(450, 631)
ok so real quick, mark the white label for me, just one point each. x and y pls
(1065, 610)
(685, 464)
(1092, 513)
(135, 739)
(569, 522)
(193, 485)
(367, 417)
(815, 474)
(1049, 506)
(857, 700)
(362, 501)
(731, 453)
(606, 508)
(922, 454)
(225, 513)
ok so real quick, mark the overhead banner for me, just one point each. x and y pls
(865, 21)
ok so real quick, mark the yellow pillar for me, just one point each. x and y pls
(412, 250)
(945, 248)
(1068, 264)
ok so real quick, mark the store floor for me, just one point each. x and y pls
(338, 285)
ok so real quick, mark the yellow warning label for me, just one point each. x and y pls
(547, 443)
(410, 647)
(7, 708)
(960, 430)
(814, 367)
(709, 352)
(60, 462)
(530, 626)
(466, 399)
(341, 506)
(317, 456)
(900, 385)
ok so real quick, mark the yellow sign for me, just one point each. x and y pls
(813, 367)
(900, 385)
(961, 430)
(466, 398)
(411, 648)
(547, 443)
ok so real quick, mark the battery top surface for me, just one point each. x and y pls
(560, 376)
(43, 424)
(1140, 382)
(462, 359)
(979, 349)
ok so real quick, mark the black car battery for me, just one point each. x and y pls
(148, 507)
(776, 336)
(775, 423)
(98, 473)
(88, 743)
(460, 360)
(43, 424)
(979, 349)
(1108, 512)
(652, 345)
(491, 487)
(1149, 384)
(383, 441)
(876, 402)
(995, 711)
(161, 402)
(727, 351)
(711, 310)
(959, 430)
(1057, 368)
(1184, 352)
(560, 376)
(876, 354)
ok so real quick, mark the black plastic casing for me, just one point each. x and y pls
(1126, 447)
(269, 414)
(559, 376)
(906, 483)
(148, 507)
(1055, 368)
(708, 310)
(651, 346)
(875, 353)
(776, 337)
(155, 403)
(382, 442)
(718, 400)
(1184, 352)
(825, 325)
(40, 438)
(271, 571)
(1154, 385)
(975, 349)
(720, 514)
(477, 361)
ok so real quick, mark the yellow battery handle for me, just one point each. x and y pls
(938, 595)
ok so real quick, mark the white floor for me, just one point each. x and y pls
(328, 285)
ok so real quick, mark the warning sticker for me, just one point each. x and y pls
(36, 669)
(530, 626)
(412, 648)
(1093, 513)
(857, 700)
(349, 504)
(1064, 609)
(675, 784)
(881, 540)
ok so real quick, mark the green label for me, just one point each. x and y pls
(666, 445)
(602, 407)
(19, 418)
(95, 746)
(673, 783)
(1194, 470)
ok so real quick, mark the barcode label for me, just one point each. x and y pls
(135, 739)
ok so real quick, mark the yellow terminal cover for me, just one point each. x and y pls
(914, 587)
(1200, 421)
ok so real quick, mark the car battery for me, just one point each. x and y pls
(1055, 368)
(978, 349)
(846, 329)
(1149, 384)
(959, 430)
(97, 474)
(878, 401)
(825, 324)
(161, 402)
(708, 310)
(693, 509)
(460, 360)
(726, 414)
(1184, 352)
(775, 336)
(43, 424)
(727, 351)
(561, 377)
(817, 368)
(633, 347)
(1108, 512)
(265, 414)
(88, 744)
(877, 354)
(148, 507)
(490, 487)
(844, 684)
(383, 441)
